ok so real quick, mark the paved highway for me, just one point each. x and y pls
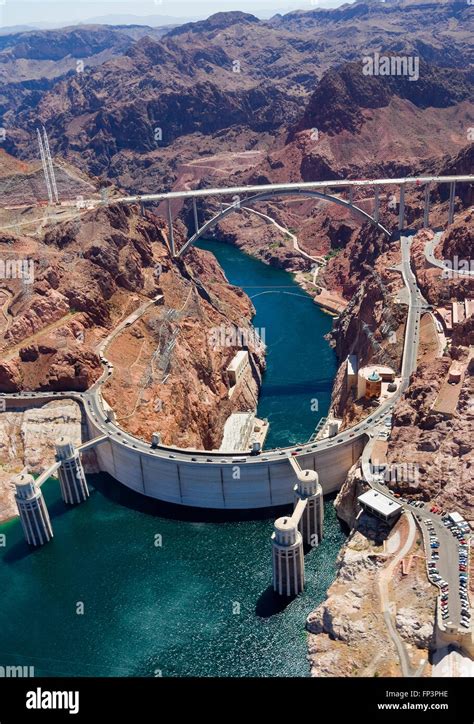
(302, 186)
(417, 306)
(448, 564)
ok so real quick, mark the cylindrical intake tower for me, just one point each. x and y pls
(72, 478)
(288, 562)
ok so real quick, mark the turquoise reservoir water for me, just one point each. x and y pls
(102, 599)
(301, 366)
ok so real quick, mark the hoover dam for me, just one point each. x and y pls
(210, 479)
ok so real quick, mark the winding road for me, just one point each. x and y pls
(430, 248)
(317, 259)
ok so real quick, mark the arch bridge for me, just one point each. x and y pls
(340, 192)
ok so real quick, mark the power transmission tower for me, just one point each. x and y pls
(45, 166)
(50, 165)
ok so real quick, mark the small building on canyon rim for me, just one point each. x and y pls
(373, 380)
(381, 506)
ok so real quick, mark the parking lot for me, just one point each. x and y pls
(448, 558)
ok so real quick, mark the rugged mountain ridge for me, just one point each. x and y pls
(230, 81)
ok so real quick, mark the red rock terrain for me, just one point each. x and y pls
(236, 83)
(92, 274)
(235, 100)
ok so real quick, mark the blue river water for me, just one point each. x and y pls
(301, 366)
(133, 587)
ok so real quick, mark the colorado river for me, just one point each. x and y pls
(301, 366)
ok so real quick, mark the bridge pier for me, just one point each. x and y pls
(170, 230)
(426, 219)
(376, 204)
(401, 215)
(72, 478)
(452, 196)
(196, 217)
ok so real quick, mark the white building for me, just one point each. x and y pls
(380, 505)
(351, 370)
(237, 368)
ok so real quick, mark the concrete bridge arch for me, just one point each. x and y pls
(251, 200)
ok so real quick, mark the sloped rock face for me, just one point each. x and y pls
(365, 308)
(191, 408)
(340, 98)
(273, 248)
(346, 501)
(75, 371)
(10, 377)
(43, 311)
(458, 240)
(371, 327)
(215, 23)
(441, 449)
(412, 629)
(463, 333)
(27, 440)
(348, 635)
(56, 45)
(96, 273)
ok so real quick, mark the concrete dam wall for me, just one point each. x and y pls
(249, 485)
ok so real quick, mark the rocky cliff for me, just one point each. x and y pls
(441, 448)
(27, 440)
(348, 634)
(168, 372)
